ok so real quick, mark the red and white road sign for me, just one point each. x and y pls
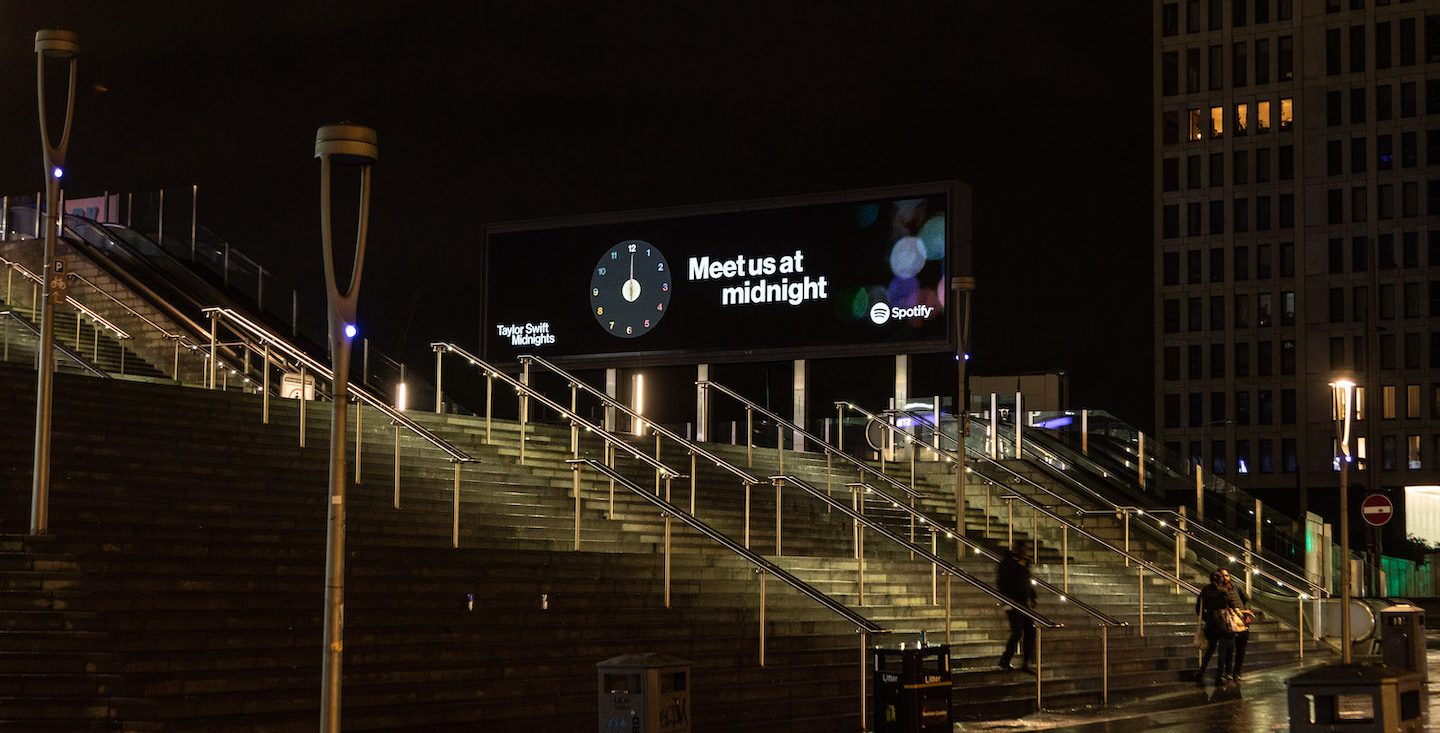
(1377, 509)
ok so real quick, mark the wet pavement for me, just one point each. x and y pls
(1256, 704)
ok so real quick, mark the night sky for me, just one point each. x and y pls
(491, 112)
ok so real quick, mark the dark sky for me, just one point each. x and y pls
(492, 112)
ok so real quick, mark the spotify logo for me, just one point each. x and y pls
(879, 313)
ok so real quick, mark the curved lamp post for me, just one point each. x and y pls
(1343, 391)
(343, 144)
(66, 46)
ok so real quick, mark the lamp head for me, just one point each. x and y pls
(1343, 384)
(57, 44)
(347, 144)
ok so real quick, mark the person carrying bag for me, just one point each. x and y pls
(1218, 607)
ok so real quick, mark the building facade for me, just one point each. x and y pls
(1297, 190)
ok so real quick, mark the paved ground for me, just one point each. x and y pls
(1255, 705)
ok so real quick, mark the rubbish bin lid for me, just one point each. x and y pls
(1402, 608)
(642, 661)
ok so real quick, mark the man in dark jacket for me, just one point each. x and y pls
(1013, 581)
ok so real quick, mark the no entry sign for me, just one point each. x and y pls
(1377, 509)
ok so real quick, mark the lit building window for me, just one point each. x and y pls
(1242, 118)
(1196, 130)
(1387, 402)
(1217, 122)
(1360, 462)
(1412, 452)
(1262, 116)
(1359, 399)
(1412, 400)
(1287, 113)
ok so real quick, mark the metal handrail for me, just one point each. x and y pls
(988, 554)
(1316, 589)
(757, 560)
(1236, 549)
(575, 418)
(73, 303)
(609, 401)
(60, 347)
(1037, 506)
(829, 449)
(128, 309)
(946, 565)
(265, 336)
(1251, 566)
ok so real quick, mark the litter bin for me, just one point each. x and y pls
(1402, 639)
(912, 690)
(644, 693)
(1356, 698)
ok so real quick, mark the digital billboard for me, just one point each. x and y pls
(857, 273)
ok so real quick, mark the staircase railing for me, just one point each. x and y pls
(694, 450)
(273, 346)
(1177, 531)
(763, 568)
(11, 316)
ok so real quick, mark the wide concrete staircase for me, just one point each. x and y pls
(181, 585)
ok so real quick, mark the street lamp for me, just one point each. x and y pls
(352, 145)
(1343, 392)
(66, 46)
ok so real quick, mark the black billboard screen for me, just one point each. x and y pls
(844, 277)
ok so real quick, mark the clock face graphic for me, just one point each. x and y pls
(630, 289)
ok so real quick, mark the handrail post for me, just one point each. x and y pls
(265, 380)
(1199, 493)
(1140, 573)
(210, 383)
(1177, 558)
(747, 514)
(302, 397)
(524, 405)
(778, 486)
(657, 460)
(1249, 569)
(455, 508)
(692, 483)
(1105, 664)
(439, 401)
(993, 436)
(762, 616)
(575, 487)
(839, 426)
(668, 520)
(395, 501)
(489, 398)
(860, 549)
(1127, 536)
(1039, 669)
(1065, 556)
(1019, 447)
(1085, 432)
(1140, 460)
(359, 436)
(749, 437)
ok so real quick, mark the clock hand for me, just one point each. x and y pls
(632, 266)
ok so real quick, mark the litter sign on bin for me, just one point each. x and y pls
(291, 386)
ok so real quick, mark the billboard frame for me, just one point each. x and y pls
(958, 233)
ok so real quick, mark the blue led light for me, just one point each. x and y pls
(58, 172)
(350, 331)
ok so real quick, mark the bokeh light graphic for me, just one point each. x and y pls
(907, 257)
